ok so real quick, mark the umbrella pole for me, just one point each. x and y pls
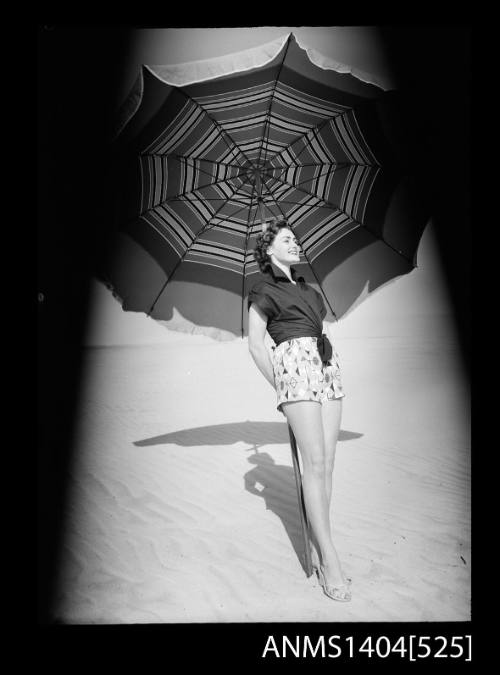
(302, 507)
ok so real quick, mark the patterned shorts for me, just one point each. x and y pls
(299, 374)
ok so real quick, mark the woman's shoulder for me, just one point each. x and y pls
(261, 284)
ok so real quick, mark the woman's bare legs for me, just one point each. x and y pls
(306, 421)
(331, 414)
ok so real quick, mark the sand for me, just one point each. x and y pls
(183, 503)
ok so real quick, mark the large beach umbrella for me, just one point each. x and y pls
(277, 131)
(206, 152)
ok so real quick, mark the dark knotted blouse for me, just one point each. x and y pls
(292, 310)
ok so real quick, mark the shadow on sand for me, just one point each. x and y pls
(274, 483)
(256, 434)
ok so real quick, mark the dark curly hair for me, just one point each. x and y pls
(264, 240)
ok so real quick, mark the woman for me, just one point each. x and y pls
(305, 372)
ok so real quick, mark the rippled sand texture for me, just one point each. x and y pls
(183, 502)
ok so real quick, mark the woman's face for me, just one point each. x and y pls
(285, 247)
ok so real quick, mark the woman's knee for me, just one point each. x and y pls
(329, 461)
(314, 464)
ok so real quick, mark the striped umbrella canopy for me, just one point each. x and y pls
(274, 132)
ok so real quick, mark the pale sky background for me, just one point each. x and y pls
(413, 304)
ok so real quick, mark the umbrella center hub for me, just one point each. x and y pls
(257, 174)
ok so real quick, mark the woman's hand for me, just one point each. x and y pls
(327, 329)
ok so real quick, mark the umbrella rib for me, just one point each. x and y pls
(337, 165)
(341, 164)
(221, 129)
(178, 198)
(317, 128)
(314, 130)
(204, 199)
(275, 201)
(326, 172)
(304, 253)
(268, 115)
(197, 235)
(354, 220)
(202, 159)
(222, 180)
(245, 257)
(184, 194)
(310, 194)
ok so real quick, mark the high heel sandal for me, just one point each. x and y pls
(316, 569)
(340, 592)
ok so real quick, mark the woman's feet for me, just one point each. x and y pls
(316, 564)
(335, 585)
(333, 588)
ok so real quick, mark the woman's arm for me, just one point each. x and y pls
(257, 324)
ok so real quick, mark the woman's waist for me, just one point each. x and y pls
(323, 344)
(298, 336)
